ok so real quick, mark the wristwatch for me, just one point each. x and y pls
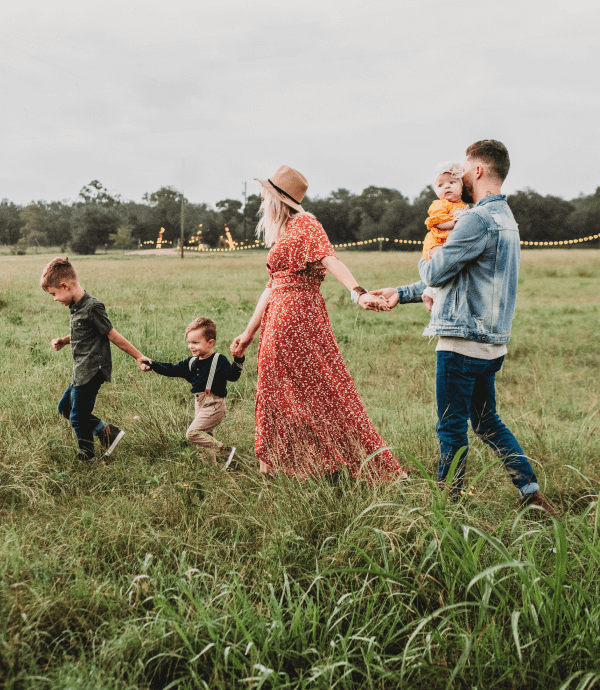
(356, 292)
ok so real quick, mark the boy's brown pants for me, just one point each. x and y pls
(210, 412)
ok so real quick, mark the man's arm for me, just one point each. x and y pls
(411, 293)
(465, 243)
(124, 344)
(402, 294)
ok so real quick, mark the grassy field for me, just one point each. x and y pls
(157, 570)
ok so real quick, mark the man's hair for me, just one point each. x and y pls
(494, 153)
(58, 271)
(208, 327)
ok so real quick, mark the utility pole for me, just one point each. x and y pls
(245, 204)
(182, 224)
(182, 197)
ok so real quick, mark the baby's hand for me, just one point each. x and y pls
(457, 213)
(428, 302)
(144, 363)
(58, 343)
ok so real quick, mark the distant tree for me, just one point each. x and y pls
(540, 219)
(415, 228)
(92, 225)
(585, 219)
(34, 228)
(94, 217)
(10, 222)
(96, 193)
(396, 218)
(252, 216)
(233, 217)
(140, 218)
(338, 213)
(213, 224)
(58, 223)
(165, 212)
(122, 238)
(374, 200)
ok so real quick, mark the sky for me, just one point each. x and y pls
(207, 96)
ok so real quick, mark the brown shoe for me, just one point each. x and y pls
(535, 499)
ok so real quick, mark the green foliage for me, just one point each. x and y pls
(157, 569)
(10, 222)
(92, 225)
(34, 217)
(346, 217)
(122, 238)
(96, 193)
(541, 218)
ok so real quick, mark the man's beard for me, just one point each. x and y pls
(467, 194)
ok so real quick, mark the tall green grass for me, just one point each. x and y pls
(158, 570)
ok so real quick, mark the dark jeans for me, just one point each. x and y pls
(466, 389)
(77, 405)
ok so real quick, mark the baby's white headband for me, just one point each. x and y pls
(455, 169)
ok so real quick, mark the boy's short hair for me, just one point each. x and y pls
(58, 271)
(207, 326)
(494, 153)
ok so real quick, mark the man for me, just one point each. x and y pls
(476, 274)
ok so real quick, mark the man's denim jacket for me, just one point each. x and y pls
(476, 274)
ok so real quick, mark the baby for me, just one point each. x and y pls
(444, 212)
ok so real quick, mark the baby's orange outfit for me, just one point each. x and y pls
(440, 211)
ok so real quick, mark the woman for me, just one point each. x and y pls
(309, 417)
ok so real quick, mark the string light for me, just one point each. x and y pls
(235, 247)
(561, 242)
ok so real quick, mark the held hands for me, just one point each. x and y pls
(386, 296)
(144, 363)
(58, 343)
(240, 344)
(373, 303)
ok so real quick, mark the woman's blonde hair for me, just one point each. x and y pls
(275, 215)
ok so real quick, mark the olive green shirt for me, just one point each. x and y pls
(89, 340)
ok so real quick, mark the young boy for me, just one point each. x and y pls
(90, 336)
(208, 372)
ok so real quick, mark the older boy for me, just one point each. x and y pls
(90, 336)
(208, 372)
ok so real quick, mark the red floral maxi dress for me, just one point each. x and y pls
(309, 417)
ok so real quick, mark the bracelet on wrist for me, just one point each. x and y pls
(356, 292)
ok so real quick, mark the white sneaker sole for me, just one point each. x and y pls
(114, 444)
(229, 459)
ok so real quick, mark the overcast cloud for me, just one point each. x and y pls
(207, 96)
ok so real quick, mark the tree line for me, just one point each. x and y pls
(99, 219)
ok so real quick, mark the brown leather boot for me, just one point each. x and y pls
(535, 499)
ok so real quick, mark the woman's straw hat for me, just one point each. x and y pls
(288, 185)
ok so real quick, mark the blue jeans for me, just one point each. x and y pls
(77, 405)
(466, 389)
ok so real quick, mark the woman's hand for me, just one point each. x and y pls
(240, 344)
